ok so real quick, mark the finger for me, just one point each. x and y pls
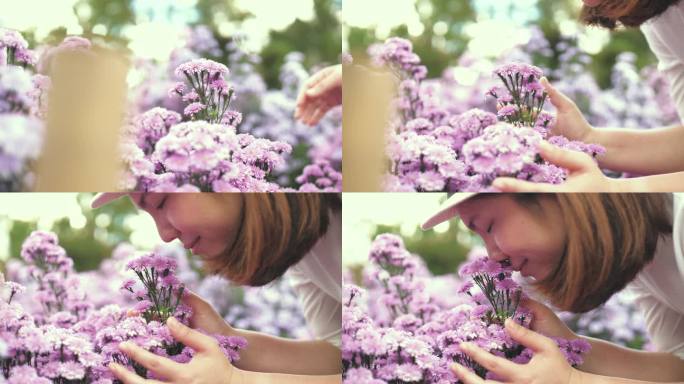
(312, 82)
(318, 115)
(557, 98)
(531, 339)
(565, 158)
(509, 184)
(324, 86)
(310, 113)
(190, 337)
(197, 304)
(533, 306)
(500, 366)
(132, 313)
(465, 375)
(128, 377)
(157, 364)
(317, 77)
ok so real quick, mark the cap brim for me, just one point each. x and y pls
(105, 198)
(447, 210)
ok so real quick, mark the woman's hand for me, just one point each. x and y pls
(321, 93)
(546, 322)
(205, 317)
(584, 174)
(569, 119)
(209, 365)
(548, 365)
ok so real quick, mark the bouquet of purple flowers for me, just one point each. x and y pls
(431, 149)
(400, 333)
(67, 340)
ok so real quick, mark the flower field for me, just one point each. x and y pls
(404, 325)
(60, 326)
(191, 124)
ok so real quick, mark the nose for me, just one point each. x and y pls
(167, 232)
(494, 252)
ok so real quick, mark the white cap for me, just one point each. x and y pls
(447, 210)
(105, 198)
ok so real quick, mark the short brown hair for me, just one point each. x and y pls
(630, 13)
(610, 238)
(276, 231)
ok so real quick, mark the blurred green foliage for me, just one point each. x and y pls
(436, 51)
(319, 39)
(443, 252)
(105, 228)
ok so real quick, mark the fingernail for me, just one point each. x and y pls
(544, 145)
(114, 366)
(465, 346)
(172, 322)
(510, 323)
(124, 345)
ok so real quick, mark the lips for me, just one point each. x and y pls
(520, 266)
(189, 245)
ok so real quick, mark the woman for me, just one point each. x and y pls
(252, 239)
(579, 249)
(654, 152)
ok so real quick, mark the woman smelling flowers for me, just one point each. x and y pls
(578, 250)
(252, 239)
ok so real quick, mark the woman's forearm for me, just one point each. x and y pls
(246, 377)
(597, 379)
(614, 361)
(643, 152)
(657, 183)
(266, 353)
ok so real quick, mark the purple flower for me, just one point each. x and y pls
(508, 111)
(202, 67)
(194, 109)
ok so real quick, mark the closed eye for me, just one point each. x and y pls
(162, 202)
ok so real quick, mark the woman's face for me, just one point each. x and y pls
(531, 238)
(206, 223)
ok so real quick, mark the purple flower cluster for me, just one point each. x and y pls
(320, 177)
(66, 340)
(198, 156)
(431, 149)
(159, 297)
(265, 113)
(164, 153)
(397, 332)
(23, 99)
(398, 54)
(206, 91)
(14, 49)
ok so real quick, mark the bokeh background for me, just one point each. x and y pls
(270, 52)
(153, 28)
(442, 30)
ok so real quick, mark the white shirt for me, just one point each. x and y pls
(659, 288)
(317, 281)
(665, 35)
